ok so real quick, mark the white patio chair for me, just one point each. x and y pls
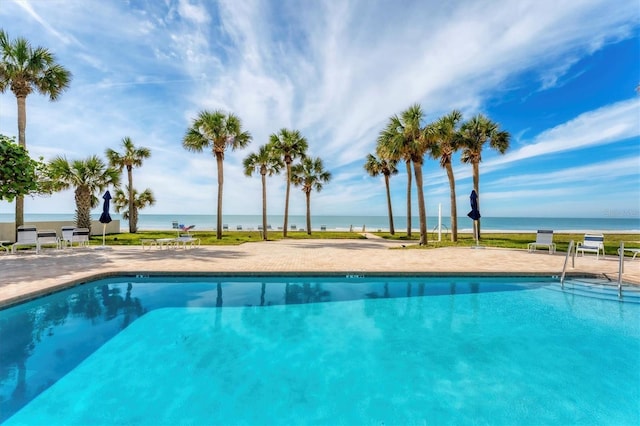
(67, 236)
(80, 236)
(593, 243)
(544, 238)
(27, 237)
(47, 237)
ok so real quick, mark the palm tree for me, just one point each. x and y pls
(87, 177)
(445, 132)
(387, 168)
(24, 69)
(474, 134)
(288, 145)
(218, 131)
(265, 163)
(122, 202)
(130, 158)
(310, 175)
(405, 138)
(385, 140)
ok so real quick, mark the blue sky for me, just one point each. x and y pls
(561, 77)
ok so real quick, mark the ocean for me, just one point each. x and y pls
(357, 223)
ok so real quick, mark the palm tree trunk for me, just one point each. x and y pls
(386, 182)
(264, 206)
(22, 120)
(422, 211)
(19, 214)
(408, 163)
(83, 207)
(219, 161)
(22, 141)
(476, 186)
(308, 194)
(454, 208)
(133, 218)
(286, 201)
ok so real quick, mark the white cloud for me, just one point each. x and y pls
(603, 126)
(334, 70)
(193, 12)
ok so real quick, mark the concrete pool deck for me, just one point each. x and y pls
(26, 274)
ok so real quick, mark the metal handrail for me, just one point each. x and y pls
(620, 268)
(566, 260)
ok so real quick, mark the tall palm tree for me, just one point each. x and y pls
(265, 163)
(130, 158)
(384, 142)
(216, 130)
(24, 69)
(407, 139)
(288, 145)
(387, 168)
(88, 177)
(474, 134)
(446, 138)
(309, 174)
(122, 202)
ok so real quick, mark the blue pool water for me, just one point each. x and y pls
(320, 350)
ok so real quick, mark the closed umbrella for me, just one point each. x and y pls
(474, 214)
(105, 217)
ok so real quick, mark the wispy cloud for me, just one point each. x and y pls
(606, 125)
(334, 70)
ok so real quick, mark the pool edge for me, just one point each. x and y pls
(28, 296)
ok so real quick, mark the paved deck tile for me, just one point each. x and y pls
(26, 274)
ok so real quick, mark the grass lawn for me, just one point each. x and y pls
(504, 240)
(228, 237)
(514, 240)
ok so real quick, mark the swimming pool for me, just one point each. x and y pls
(321, 350)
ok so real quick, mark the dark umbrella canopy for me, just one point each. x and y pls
(475, 212)
(105, 217)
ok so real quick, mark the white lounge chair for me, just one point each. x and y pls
(27, 237)
(80, 236)
(67, 235)
(47, 237)
(160, 243)
(593, 243)
(187, 240)
(632, 251)
(544, 238)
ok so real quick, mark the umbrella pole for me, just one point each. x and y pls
(475, 232)
(104, 231)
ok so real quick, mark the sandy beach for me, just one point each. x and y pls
(28, 275)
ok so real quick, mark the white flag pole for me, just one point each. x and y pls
(439, 222)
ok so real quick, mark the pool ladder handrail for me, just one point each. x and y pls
(566, 260)
(570, 249)
(620, 268)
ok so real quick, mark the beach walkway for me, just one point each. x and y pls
(26, 274)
